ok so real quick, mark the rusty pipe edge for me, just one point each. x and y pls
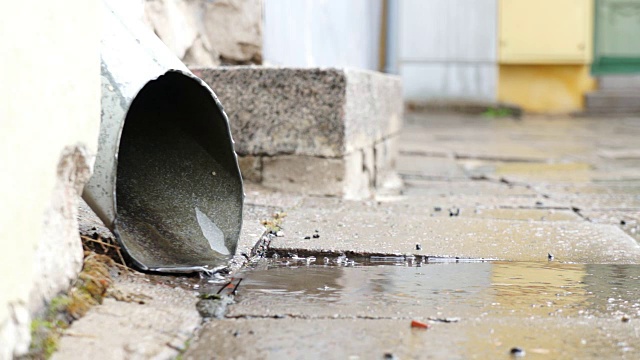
(166, 179)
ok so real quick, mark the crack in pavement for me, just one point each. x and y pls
(447, 320)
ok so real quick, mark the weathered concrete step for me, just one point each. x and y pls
(329, 130)
(316, 112)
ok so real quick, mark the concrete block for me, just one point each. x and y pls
(385, 165)
(351, 176)
(251, 168)
(308, 174)
(314, 112)
(316, 131)
(359, 174)
(373, 109)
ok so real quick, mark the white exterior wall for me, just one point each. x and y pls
(322, 33)
(50, 91)
(447, 49)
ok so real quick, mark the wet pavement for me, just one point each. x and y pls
(474, 310)
(493, 188)
(513, 191)
(508, 234)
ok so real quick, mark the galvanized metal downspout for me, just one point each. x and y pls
(166, 177)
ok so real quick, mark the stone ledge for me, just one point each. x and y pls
(317, 131)
(315, 112)
(356, 175)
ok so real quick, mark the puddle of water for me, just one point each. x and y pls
(469, 289)
(552, 310)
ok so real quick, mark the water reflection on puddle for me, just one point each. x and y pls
(476, 310)
(460, 289)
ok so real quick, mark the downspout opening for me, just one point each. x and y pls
(178, 189)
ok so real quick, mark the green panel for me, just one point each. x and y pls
(616, 37)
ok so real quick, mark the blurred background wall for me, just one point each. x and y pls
(206, 32)
(308, 33)
(544, 56)
(446, 49)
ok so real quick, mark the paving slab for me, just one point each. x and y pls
(421, 186)
(479, 310)
(157, 328)
(382, 339)
(324, 112)
(594, 188)
(374, 231)
(628, 220)
(538, 172)
(620, 153)
(524, 214)
(445, 168)
(604, 202)
(414, 203)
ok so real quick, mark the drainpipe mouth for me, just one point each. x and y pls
(178, 191)
(166, 179)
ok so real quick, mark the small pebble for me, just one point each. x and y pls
(549, 256)
(518, 352)
(454, 212)
(307, 237)
(418, 247)
(625, 319)
(315, 236)
(622, 222)
(279, 234)
(539, 203)
(389, 356)
(437, 208)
